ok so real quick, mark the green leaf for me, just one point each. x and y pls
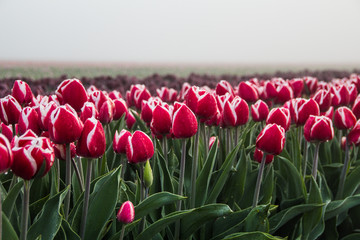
(102, 204)
(9, 202)
(154, 202)
(8, 231)
(267, 186)
(354, 236)
(69, 232)
(257, 220)
(198, 217)
(252, 236)
(352, 182)
(203, 180)
(334, 208)
(49, 221)
(140, 122)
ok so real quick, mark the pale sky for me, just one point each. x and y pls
(165, 31)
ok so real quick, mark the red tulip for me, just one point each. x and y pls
(184, 122)
(167, 94)
(248, 91)
(202, 103)
(72, 92)
(280, 116)
(354, 134)
(126, 213)
(44, 112)
(6, 156)
(161, 121)
(212, 141)
(318, 129)
(22, 92)
(64, 125)
(131, 94)
(88, 111)
(139, 96)
(7, 131)
(270, 91)
(258, 155)
(60, 151)
(120, 108)
(106, 112)
(184, 90)
(221, 100)
(120, 141)
(284, 93)
(98, 98)
(115, 95)
(29, 119)
(235, 113)
(311, 84)
(344, 118)
(92, 141)
(224, 87)
(148, 107)
(271, 139)
(352, 92)
(309, 107)
(341, 96)
(139, 148)
(130, 120)
(10, 110)
(324, 99)
(329, 113)
(356, 107)
(297, 85)
(259, 111)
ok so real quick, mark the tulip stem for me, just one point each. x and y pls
(181, 184)
(142, 194)
(258, 181)
(25, 210)
(14, 130)
(67, 180)
(305, 159)
(194, 167)
(315, 162)
(165, 150)
(122, 232)
(123, 167)
(77, 172)
(340, 191)
(13, 181)
(86, 198)
(206, 140)
(57, 165)
(229, 142)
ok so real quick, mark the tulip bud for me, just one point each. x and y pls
(120, 108)
(120, 141)
(344, 118)
(352, 92)
(280, 116)
(10, 110)
(140, 95)
(29, 119)
(259, 111)
(115, 95)
(184, 90)
(72, 92)
(284, 93)
(324, 99)
(269, 90)
(139, 148)
(106, 112)
(130, 95)
(212, 141)
(148, 107)
(356, 107)
(258, 155)
(329, 113)
(7, 131)
(297, 85)
(235, 113)
(184, 123)
(311, 84)
(224, 87)
(64, 125)
(22, 92)
(341, 96)
(248, 92)
(126, 213)
(92, 141)
(148, 175)
(354, 134)
(44, 112)
(130, 119)
(302, 113)
(161, 121)
(60, 151)
(271, 139)
(88, 111)
(6, 156)
(318, 129)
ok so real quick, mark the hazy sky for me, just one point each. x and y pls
(165, 31)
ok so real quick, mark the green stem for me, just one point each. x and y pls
(25, 210)
(305, 159)
(14, 130)
(123, 167)
(228, 140)
(340, 191)
(194, 168)
(13, 181)
(142, 194)
(258, 181)
(67, 180)
(165, 149)
(122, 232)
(86, 198)
(315, 162)
(57, 165)
(79, 163)
(206, 139)
(77, 172)
(181, 185)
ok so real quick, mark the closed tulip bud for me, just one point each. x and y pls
(354, 134)
(92, 141)
(271, 139)
(329, 113)
(309, 107)
(98, 98)
(7, 131)
(248, 91)
(212, 141)
(148, 107)
(72, 92)
(284, 93)
(22, 92)
(297, 85)
(88, 111)
(353, 92)
(64, 125)
(215, 120)
(221, 100)
(139, 148)
(161, 121)
(280, 116)
(184, 122)
(120, 141)
(224, 87)
(106, 112)
(235, 113)
(148, 175)
(259, 111)
(10, 110)
(29, 158)
(25, 139)
(344, 118)
(139, 96)
(258, 155)
(206, 106)
(6, 156)
(184, 90)
(318, 129)
(29, 119)
(60, 151)
(164, 94)
(131, 94)
(120, 108)
(311, 84)
(44, 112)
(126, 213)
(115, 95)
(270, 91)
(324, 99)
(341, 96)
(356, 107)
(130, 119)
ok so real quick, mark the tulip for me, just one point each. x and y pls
(224, 87)
(6, 156)
(22, 92)
(236, 113)
(297, 85)
(7, 131)
(309, 107)
(259, 111)
(344, 118)
(44, 112)
(353, 92)
(212, 141)
(161, 121)
(115, 95)
(60, 151)
(139, 96)
(167, 94)
(29, 119)
(139, 148)
(148, 107)
(72, 92)
(10, 110)
(119, 146)
(284, 93)
(125, 215)
(184, 90)
(324, 99)
(311, 84)
(356, 107)
(270, 91)
(130, 119)
(88, 111)
(280, 116)
(248, 92)
(341, 96)
(354, 135)
(130, 95)
(258, 155)
(106, 111)
(120, 108)
(184, 122)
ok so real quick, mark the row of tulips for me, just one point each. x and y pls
(198, 143)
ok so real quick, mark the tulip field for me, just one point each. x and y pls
(261, 158)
